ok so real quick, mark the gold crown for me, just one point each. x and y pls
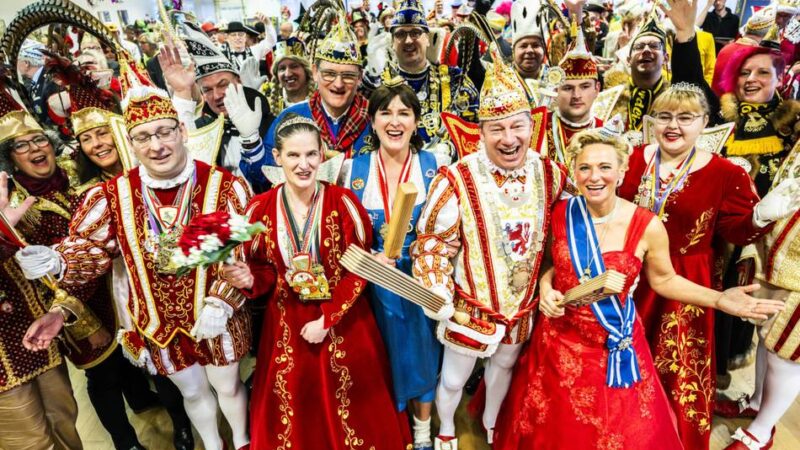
(340, 45)
(16, 124)
(89, 118)
(502, 94)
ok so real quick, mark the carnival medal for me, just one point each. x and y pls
(306, 276)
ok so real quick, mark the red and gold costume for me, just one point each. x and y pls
(560, 132)
(715, 201)
(559, 397)
(114, 219)
(578, 64)
(489, 211)
(339, 388)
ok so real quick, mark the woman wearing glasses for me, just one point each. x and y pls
(700, 197)
(321, 379)
(39, 203)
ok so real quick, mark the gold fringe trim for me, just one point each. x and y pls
(760, 146)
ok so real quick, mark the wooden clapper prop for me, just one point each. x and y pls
(363, 264)
(604, 285)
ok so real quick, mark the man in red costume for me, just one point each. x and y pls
(191, 328)
(575, 96)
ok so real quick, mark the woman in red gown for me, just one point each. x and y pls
(700, 198)
(322, 377)
(587, 380)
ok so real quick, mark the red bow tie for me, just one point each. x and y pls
(501, 179)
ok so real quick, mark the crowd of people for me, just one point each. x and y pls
(546, 148)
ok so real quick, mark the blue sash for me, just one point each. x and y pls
(623, 367)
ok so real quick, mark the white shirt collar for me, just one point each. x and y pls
(181, 178)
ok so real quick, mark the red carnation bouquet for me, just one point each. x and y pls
(210, 238)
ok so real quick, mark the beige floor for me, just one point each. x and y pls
(155, 429)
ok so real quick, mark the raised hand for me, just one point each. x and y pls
(245, 120)
(682, 13)
(180, 78)
(13, 215)
(736, 302)
(575, 7)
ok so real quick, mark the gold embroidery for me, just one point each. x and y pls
(683, 352)
(332, 242)
(284, 358)
(700, 227)
(345, 383)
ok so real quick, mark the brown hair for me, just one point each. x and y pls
(292, 124)
(380, 99)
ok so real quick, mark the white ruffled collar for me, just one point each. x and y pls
(182, 177)
(494, 168)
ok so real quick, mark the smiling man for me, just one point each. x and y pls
(527, 42)
(192, 328)
(216, 77)
(479, 246)
(433, 83)
(574, 100)
(336, 106)
(646, 58)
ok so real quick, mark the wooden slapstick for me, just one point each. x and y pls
(608, 283)
(363, 264)
(400, 220)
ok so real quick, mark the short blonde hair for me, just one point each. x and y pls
(677, 99)
(597, 136)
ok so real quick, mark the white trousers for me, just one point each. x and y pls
(195, 383)
(456, 369)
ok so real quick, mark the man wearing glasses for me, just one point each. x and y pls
(336, 107)
(247, 114)
(438, 87)
(647, 54)
(190, 328)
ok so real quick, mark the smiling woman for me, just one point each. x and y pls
(701, 198)
(318, 324)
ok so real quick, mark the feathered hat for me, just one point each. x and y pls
(142, 101)
(340, 44)
(410, 12)
(502, 94)
(85, 104)
(208, 59)
(523, 20)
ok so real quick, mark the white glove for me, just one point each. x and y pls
(250, 75)
(212, 320)
(782, 201)
(36, 261)
(243, 118)
(447, 310)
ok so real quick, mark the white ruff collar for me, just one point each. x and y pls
(494, 168)
(181, 178)
(576, 124)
